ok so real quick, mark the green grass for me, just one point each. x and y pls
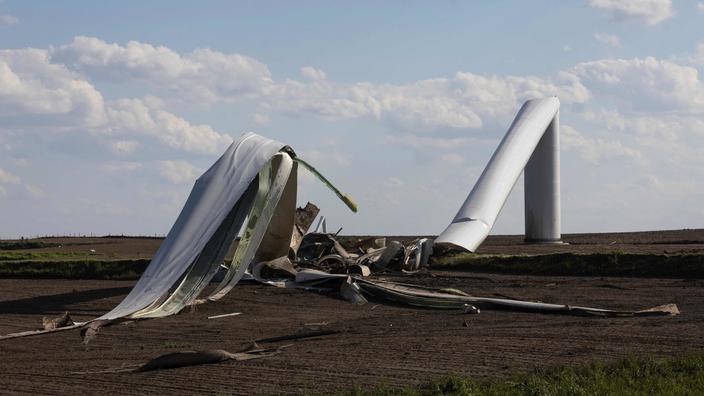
(40, 256)
(632, 376)
(67, 265)
(73, 269)
(25, 244)
(571, 264)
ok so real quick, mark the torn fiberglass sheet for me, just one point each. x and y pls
(270, 224)
(222, 188)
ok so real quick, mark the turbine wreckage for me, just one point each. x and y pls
(251, 191)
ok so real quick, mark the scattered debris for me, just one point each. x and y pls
(471, 309)
(298, 336)
(192, 358)
(321, 223)
(354, 289)
(62, 321)
(393, 252)
(225, 315)
(610, 286)
(316, 324)
(274, 269)
(359, 269)
(660, 310)
(349, 290)
(183, 359)
(91, 329)
(372, 255)
(304, 218)
(417, 255)
(30, 333)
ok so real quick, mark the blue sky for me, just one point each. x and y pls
(110, 110)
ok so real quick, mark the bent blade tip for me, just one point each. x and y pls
(349, 202)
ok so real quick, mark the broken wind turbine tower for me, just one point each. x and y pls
(532, 143)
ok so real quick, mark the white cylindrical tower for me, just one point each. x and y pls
(542, 187)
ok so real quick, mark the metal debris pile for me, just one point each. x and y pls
(323, 251)
(372, 255)
(318, 261)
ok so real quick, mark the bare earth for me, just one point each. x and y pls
(379, 343)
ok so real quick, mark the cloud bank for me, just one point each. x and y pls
(640, 114)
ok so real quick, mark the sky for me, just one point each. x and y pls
(110, 110)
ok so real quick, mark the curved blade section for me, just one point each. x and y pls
(212, 199)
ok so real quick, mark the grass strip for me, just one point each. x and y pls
(25, 244)
(571, 264)
(43, 256)
(628, 376)
(79, 269)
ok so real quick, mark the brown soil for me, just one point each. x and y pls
(100, 248)
(380, 344)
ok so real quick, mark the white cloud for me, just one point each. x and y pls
(123, 166)
(665, 127)
(33, 191)
(593, 149)
(260, 119)
(427, 142)
(20, 162)
(646, 115)
(44, 96)
(395, 181)
(12, 185)
(645, 84)
(459, 102)
(652, 111)
(700, 6)
(203, 75)
(327, 158)
(8, 20)
(137, 117)
(51, 94)
(178, 172)
(608, 39)
(54, 95)
(312, 73)
(613, 120)
(651, 12)
(698, 58)
(8, 178)
(124, 146)
(452, 158)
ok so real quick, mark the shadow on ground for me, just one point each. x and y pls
(57, 302)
